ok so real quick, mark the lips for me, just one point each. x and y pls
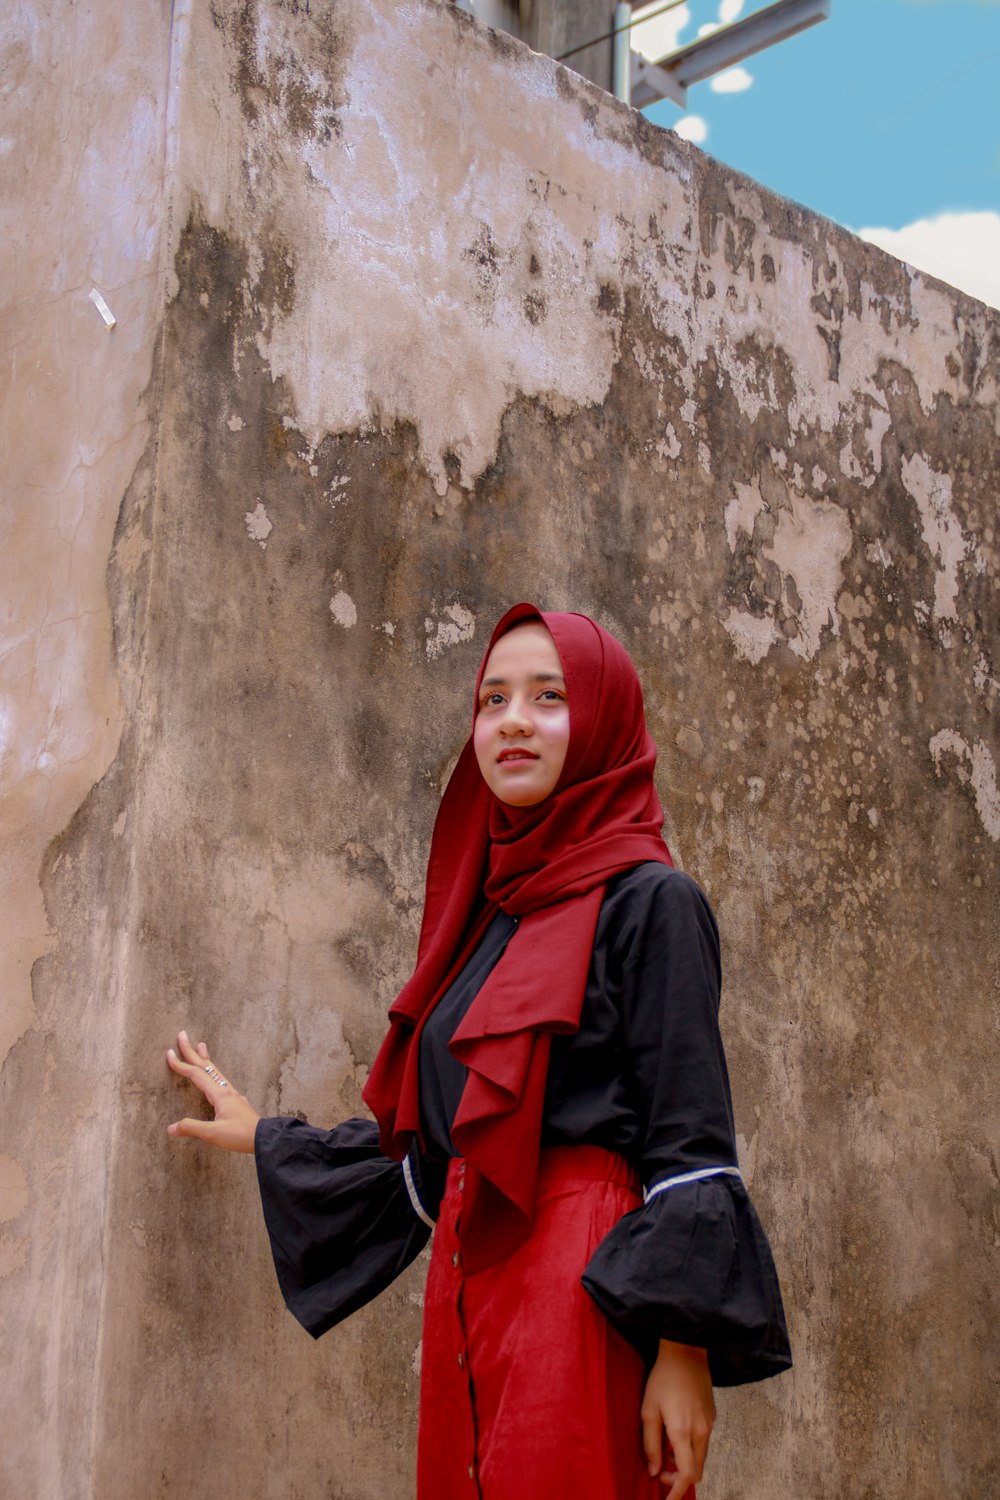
(509, 755)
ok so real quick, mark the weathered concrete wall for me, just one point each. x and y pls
(442, 326)
(83, 120)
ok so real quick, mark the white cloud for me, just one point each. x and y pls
(661, 35)
(961, 248)
(732, 81)
(729, 11)
(691, 128)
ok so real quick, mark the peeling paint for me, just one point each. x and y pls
(459, 625)
(982, 676)
(742, 512)
(879, 423)
(344, 610)
(980, 773)
(942, 530)
(810, 542)
(668, 447)
(258, 526)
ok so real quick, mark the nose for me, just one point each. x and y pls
(515, 718)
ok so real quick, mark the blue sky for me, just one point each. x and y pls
(884, 118)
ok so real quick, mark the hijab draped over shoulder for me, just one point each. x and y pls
(547, 865)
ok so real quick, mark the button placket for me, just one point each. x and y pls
(463, 1353)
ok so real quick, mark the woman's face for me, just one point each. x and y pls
(521, 733)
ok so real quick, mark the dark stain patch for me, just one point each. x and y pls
(274, 289)
(715, 209)
(212, 277)
(738, 242)
(829, 305)
(279, 439)
(308, 110)
(765, 370)
(573, 89)
(975, 362)
(539, 187)
(831, 338)
(483, 251)
(224, 290)
(452, 466)
(483, 255)
(534, 266)
(508, 48)
(608, 299)
(534, 308)
(767, 270)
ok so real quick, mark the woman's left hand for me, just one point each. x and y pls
(678, 1399)
(235, 1124)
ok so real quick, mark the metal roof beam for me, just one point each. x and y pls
(722, 49)
(651, 82)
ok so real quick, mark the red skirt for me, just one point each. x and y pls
(527, 1392)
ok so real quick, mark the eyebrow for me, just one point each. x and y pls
(537, 677)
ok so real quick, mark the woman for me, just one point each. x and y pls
(555, 1052)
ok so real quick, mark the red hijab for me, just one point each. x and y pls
(548, 865)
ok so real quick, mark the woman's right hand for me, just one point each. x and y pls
(235, 1123)
(678, 1401)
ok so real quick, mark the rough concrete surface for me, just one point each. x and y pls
(413, 323)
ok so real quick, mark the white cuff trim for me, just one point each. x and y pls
(669, 1182)
(417, 1206)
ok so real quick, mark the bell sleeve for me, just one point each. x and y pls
(343, 1219)
(693, 1263)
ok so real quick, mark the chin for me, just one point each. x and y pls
(519, 798)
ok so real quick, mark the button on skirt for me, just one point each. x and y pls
(527, 1392)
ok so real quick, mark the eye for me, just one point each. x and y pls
(490, 700)
(552, 695)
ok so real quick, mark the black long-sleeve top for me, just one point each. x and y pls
(644, 1075)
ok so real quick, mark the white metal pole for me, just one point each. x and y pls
(621, 79)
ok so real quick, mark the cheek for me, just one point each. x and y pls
(480, 742)
(558, 735)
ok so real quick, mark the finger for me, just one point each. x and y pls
(198, 1067)
(201, 1130)
(691, 1449)
(652, 1441)
(200, 1059)
(186, 1070)
(699, 1449)
(189, 1052)
(194, 1072)
(682, 1469)
(208, 1067)
(680, 1483)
